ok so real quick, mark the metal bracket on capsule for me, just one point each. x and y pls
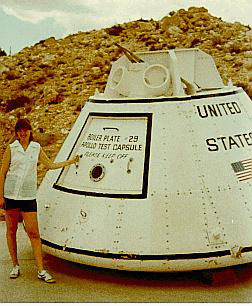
(77, 165)
(128, 165)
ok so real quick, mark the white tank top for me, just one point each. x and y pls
(21, 178)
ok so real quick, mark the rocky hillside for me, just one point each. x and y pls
(51, 81)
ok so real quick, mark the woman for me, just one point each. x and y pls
(18, 185)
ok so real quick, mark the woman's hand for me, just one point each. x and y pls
(76, 159)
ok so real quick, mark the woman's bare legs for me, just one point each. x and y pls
(12, 218)
(32, 229)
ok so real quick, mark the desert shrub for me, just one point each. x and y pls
(2, 52)
(20, 101)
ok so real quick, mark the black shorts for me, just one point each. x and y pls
(22, 205)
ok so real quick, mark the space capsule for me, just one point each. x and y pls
(164, 181)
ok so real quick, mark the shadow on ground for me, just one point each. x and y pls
(216, 277)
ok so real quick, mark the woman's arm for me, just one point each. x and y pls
(51, 165)
(3, 171)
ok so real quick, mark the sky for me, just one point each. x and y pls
(25, 22)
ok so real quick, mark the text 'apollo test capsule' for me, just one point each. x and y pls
(164, 181)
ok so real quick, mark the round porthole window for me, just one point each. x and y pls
(97, 173)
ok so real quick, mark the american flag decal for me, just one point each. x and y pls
(243, 169)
